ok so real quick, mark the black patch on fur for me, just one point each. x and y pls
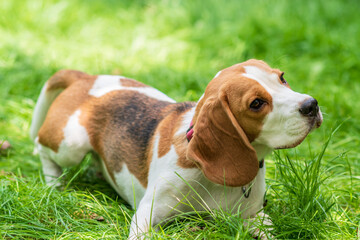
(130, 122)
(139, 116)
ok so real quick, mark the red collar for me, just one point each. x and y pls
(190, 132)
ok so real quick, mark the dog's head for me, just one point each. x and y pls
(248, 103)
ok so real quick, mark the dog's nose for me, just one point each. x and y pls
(309, 107)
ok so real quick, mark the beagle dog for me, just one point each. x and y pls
(164, 157)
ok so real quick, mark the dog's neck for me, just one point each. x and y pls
(261, 150)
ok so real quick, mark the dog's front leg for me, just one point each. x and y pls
(141, 221)
(254, 222)
(154, 207)
(162, 200)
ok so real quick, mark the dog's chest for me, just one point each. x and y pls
(189, 188)
(245, 200)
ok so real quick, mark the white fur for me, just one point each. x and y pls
(166, 192)
(76, 142)
(107, 177)
(50, 169)
(217, 74)
(105, 81)
(284, 125)
(72, 149)
(128, 186)
(105, 84)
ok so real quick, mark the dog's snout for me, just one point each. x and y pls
(309, 108)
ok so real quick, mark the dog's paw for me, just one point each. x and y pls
(263, 221)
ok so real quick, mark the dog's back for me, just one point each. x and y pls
(115, 117)
(50, 91)
(128, 121)
(64, 93)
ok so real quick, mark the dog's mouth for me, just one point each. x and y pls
(313, 123)
(294, 144)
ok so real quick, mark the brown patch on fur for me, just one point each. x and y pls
(180, 142)
(239, 96)
(224, 126)
(220, 146)
(121, 126)
(64, 78)
(127, 82)
(149, 153)
(240, 92)
(167, 129)
(169, 126)
(77, 86)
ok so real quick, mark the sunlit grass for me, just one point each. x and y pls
(177, 47)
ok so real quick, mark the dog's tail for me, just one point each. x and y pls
(51, 89)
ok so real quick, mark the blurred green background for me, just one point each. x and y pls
(177, 47)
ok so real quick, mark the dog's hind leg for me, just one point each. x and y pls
(71, 151)
(52, 171)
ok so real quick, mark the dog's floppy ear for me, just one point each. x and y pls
(220, 146)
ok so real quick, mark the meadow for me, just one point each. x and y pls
(313, 191)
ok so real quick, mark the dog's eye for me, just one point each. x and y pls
(256, 104)
(282, 78)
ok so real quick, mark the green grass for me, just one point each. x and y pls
(177, 47)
